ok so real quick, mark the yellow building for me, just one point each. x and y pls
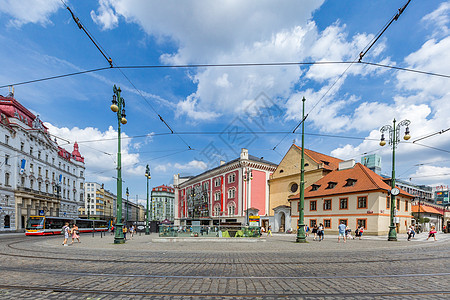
(285, 181)
(355, 195)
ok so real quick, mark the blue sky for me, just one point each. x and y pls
(38, 38)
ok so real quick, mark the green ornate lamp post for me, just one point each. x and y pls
(301, 236)
(126, 218)
(118, 106)
(394, 132)
(89, 206)
(148, 176)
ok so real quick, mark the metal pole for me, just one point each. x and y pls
(147, 175)
(118, 237)
(392, 232)
(301, 236)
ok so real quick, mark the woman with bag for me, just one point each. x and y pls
(75, 233)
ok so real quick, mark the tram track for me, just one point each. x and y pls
(64, 291)
(223, 261)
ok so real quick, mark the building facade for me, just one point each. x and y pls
(228, 193)
(98, 202)
(355, 195)
(37, 177)
(162, 204)
(285, 182)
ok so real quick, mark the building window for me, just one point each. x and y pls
(231, 178)
(231, 209)
(31, 168)
(39, 186)
(313, 205)
(46, 157)
(22, 145)
(217, 210)
(7, 159)
(217, 182)
(231, 193)
(315, 187)
(46, 173)
(350, 182)
(327, 223)
(39, 154)
(406, 205)
(327, 204)
(331, 185)
(6, 139)
(388, 202)
(362, 202)
(7, 179)
(46, 187)
(345, 221)
(81, 173)
(294, 187)
(53, 160)
(81, 185)
(31, 150)
(361, 223)
(312, 223)
(31, 183)
(22, 180)
(7, 222)
(343, 203)
(217, 196)
(398, 204)
(39, 171)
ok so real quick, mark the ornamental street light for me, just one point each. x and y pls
(89, 206)
(148, 176)
(394, 139)
(126, 218)
(248, 176)
(301, 236)
(118, 106)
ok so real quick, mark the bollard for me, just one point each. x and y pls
(139, 233)
(101, 234)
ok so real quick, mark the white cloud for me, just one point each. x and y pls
(101, 155)
(432, 175)
(106, 16)
(439, 19)
(30, 11)
(173, 168)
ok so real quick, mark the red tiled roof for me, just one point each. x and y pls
(366, 180)
(425, 209)
(329, 162)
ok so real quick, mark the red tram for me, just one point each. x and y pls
(41, 225)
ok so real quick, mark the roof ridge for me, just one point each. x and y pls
(363, 168)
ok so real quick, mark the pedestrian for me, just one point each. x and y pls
(410, 232)
(432, 233)
(66, 231)
(263, 229)
(269, 231)
(112, 229)
(357, 232)
(314, 231)
(75, 233)
(361, 231)
(413, 231)
(348, 233)
(132, 229)
(307, 231)
(342, 228)
(320, 232)
(124, 230)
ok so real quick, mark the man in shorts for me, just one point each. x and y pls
(341, 229)
(66, 230)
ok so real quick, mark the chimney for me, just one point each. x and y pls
(348, 164)
(244, 153)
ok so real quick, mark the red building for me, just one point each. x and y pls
(228, 193)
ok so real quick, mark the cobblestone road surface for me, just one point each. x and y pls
(270, 268)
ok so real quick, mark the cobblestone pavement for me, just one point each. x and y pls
(148, 267)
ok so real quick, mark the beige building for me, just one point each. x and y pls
(285, 181)
(355, 195)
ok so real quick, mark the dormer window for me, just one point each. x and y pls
(315, 187)
(327, 163)
(331, 185)
(350, 182)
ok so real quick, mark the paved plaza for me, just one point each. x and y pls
(149, 267)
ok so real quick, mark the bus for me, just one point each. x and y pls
(42, 225)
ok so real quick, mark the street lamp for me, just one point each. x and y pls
(248, 176)
(126, 218)
(148, 176)
(394, 139)
(89, 206)
(118, 106)
(301, 236)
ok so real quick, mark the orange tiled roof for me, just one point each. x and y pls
(425, 209)
(366, 180)
(329, 162)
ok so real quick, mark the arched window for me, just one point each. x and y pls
(7, 221)
(231, 193)
(231, 209)
(217, 210)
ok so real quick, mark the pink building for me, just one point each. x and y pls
(226, 193)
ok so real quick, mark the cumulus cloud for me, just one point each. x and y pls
(36, 11)
(106, 16)
(434, 175)
(100, 156)
(439, 20)
(192, 167)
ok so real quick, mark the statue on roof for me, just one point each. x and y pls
(37, 124)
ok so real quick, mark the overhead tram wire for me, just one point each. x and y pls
(112, 64)
(361, 55)
(222, 65)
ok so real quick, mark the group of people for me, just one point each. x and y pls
(269, 230)
(131, 230)
(73, 231)
(346, 233)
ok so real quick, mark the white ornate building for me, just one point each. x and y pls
(37, 177)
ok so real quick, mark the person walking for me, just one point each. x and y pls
(361, 231)
(342, 227)
(307, 230)
(66, 231)
(320, 232)
(132, 229)
(269, 230)
(410, 232)
(314, 231)
(75, 234)
(124, 230)
(432, 233)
